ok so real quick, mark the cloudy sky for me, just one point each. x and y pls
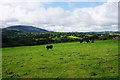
(69, 16)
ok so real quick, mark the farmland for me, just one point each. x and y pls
(66, 60)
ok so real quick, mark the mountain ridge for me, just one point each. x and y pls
(24, 29)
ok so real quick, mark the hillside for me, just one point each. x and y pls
(23, 29)
(65, 60)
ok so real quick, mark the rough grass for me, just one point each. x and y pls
(0, 63)
(66, 60)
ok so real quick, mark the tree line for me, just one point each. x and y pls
(51, 37)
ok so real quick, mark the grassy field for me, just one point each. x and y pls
(66, 60)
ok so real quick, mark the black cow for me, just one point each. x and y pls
(81, 41)
(49, 47)
(87, 41)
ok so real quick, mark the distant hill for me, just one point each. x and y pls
(23, 29)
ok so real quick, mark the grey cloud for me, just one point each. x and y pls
(11, 20)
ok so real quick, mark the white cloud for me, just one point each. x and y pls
(103, 17)
(11, 1)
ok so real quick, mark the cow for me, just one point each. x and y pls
(49, 47)
(87, 41)
(81, 41)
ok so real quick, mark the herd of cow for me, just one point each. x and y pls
(88, 41)
(81, 41)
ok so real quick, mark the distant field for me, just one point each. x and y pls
(66, 60)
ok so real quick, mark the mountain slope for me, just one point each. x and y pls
(24, 29)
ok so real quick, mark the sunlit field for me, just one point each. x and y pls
(65, 60)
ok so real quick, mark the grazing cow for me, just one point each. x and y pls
(87, 41)
(81, 41)
(49, 47)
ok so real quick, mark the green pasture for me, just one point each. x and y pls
(66, 60)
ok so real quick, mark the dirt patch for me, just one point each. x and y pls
(41, 68)
(93, 74)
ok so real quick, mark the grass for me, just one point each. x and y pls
(74, 37)
(0, 63)
(66, 60)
